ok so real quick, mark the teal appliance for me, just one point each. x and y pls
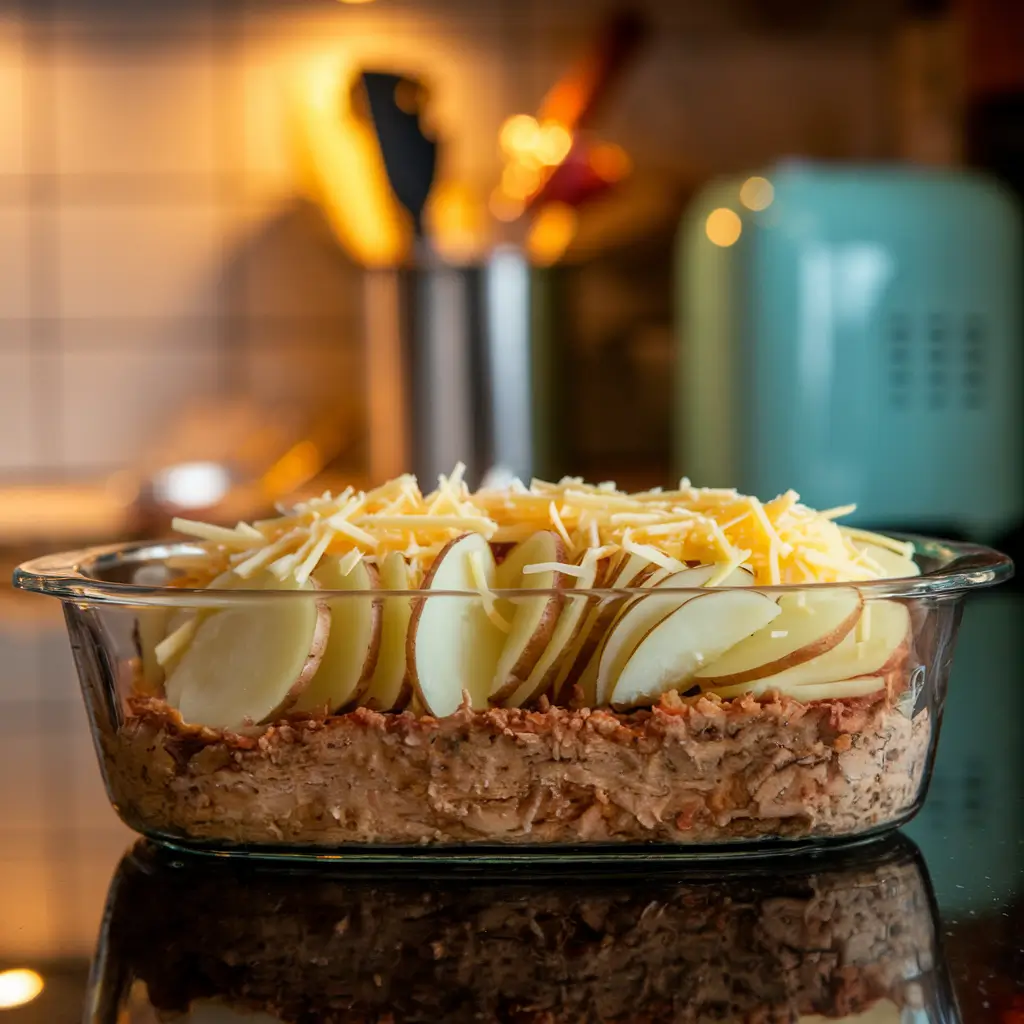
(855, 333)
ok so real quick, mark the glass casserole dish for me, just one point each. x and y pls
(635, 701)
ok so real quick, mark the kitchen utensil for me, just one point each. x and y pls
(397, 105)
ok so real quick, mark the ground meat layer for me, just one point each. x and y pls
(323, 946)
(687, 771)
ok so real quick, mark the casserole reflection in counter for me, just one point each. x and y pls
(849, 937)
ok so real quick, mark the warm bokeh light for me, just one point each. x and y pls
(551, 232)
(19, 987)
(343, 167)
(504, 207)
(519, 134)
(554, 144)
(297, 466)
(610, 162)
(757, 193)
(357, 1)
(520, 181)
(457, 221)
(723, 226)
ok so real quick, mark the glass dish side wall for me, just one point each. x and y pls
(690, 774)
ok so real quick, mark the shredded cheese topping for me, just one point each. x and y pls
(781, 541)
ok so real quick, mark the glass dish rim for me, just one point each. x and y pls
(63, 575)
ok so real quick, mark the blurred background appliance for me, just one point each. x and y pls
(855, 331)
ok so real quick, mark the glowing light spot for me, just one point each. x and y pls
(520, 181)
(554, 144)
(504, 207)
(723, 226)
(519, 134)
(457, 221)
(610, 162)
(191, 484)
(19, 987)
(551, 233)
(757, 193)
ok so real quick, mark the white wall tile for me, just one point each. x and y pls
(18, 409)
(12, 98)
(268, 158)
(168, 334)
(132, 113)
(19, 664)
(286, 263)
(293, 364)
(150, 262)
(14, 259)
(27, 925)
(21, 782)
(149, 19)
(116, 402)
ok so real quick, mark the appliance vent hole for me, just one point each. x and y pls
(899, 360)
(974, 360)
(937, 360)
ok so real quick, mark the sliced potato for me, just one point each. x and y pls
(697, 632)
(351, 654)
(873, 647)
(543, 673)
(181, 629)
(250, 663)
(150, 628)
(841, 689)
(390, 686)
(532, 619)
(637, 618)
(895, 565)
(811, 622)
(631, 571)
(452, 645)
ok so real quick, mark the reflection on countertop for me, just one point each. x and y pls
(60, 841)
(834, 936)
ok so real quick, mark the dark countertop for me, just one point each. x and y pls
(933, 917)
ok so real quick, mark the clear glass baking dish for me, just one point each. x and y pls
(851, 936)
(837, 747)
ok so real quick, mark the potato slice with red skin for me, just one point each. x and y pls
(351, 654)
(632, 571)
(876, 646)
(452, 645)
(811, 622)
(642, 613)
(569, 621)
(251, 663)
(532, 619)
(699, 631)
(841, 689)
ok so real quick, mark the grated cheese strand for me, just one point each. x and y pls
(476, 570)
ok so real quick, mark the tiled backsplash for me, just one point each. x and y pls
(153, 247)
